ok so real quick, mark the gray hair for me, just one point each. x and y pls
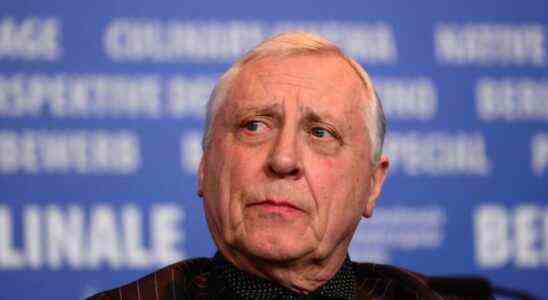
(295, 43)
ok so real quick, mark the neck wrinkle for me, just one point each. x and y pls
(302, 276)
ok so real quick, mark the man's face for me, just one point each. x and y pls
(287, 174)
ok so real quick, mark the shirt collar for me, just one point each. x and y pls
(247, 286)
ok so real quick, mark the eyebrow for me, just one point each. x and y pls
(313, 116)
(274, 109)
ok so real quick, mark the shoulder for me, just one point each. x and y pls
(389, 282)
(181, 280)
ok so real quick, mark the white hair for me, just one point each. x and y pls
(295, 43)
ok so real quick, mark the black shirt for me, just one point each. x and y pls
(243, 285)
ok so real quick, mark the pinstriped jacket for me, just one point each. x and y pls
(195, 279)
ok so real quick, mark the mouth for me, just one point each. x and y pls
(276, 206)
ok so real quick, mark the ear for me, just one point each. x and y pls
(377, 180)
(201, 177)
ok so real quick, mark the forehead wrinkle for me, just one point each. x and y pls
(303, 82)
(264, 79)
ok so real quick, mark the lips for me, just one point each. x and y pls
(276, 206)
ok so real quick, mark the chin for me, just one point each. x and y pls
(277, 247)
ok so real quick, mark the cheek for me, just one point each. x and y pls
(328, 183)
(245, 166)
(223, 179)
(330, 170)
(218, 177)
(343, 198)
(242, 170)
(328, 165)
(339, 185)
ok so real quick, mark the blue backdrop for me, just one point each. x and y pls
(102, 107)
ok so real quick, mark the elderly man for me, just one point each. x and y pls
(292, 161)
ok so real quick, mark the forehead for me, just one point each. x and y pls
(320, 79)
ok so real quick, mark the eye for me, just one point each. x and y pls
(320, 132)
(254, 126)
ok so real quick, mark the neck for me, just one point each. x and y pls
(302, 275)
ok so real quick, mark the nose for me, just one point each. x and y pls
(284, 160)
